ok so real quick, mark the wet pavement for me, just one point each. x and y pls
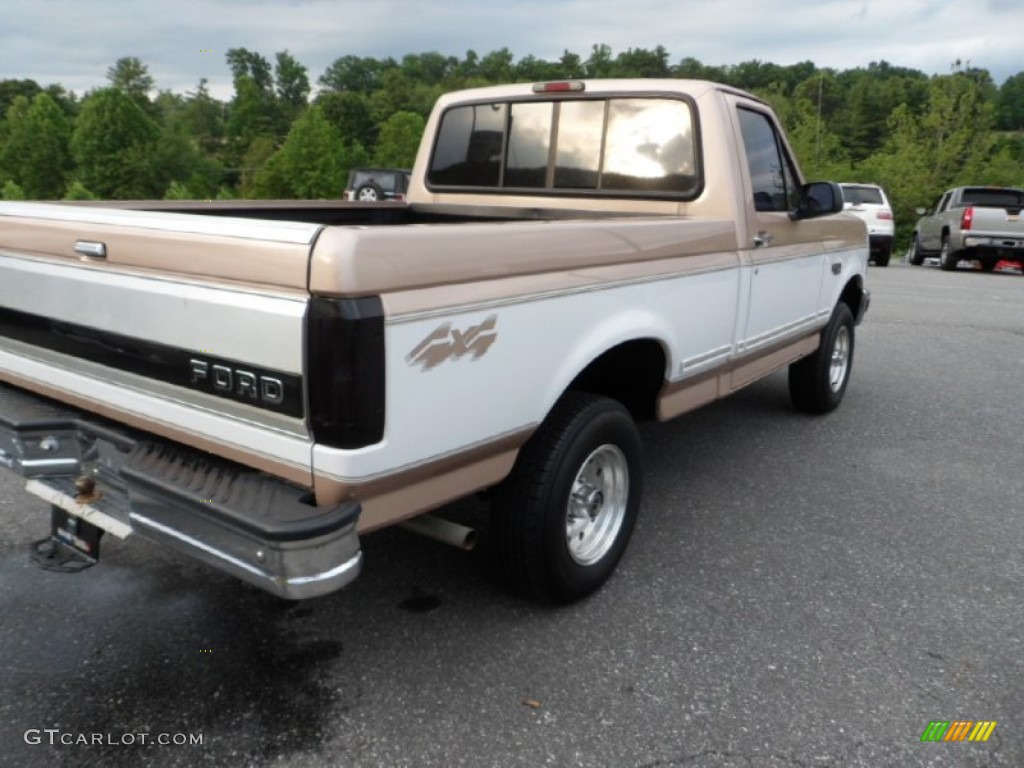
(799, 592)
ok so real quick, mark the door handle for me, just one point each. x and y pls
(91, 249)
(762, 239)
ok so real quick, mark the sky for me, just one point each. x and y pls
(73, 42)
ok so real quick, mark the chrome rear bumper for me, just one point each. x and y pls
(254, 526)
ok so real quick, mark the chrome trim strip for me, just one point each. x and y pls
(350, 564)
(44, 463)
(150, 412)
(196, 544)
(213, 405)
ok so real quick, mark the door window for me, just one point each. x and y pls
(772, 175)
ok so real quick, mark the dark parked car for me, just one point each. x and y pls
(374, 184)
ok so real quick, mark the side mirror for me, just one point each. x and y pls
(819, 198)
(921, 211)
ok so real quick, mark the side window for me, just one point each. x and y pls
(771, 172)
(943, 202)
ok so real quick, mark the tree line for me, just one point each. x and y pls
(915, 134)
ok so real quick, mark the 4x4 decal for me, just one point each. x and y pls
(447, 343)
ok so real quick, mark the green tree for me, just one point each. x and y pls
(111, 144)
(1011, 104)
(78, 191)
(291, 81)
(639, 62)
(178, 191)
(355, 74)
(35, 149)
(254, 109)
(600, 63)
(399, 139)
(204, 118)
(531, 69)
(11, 191)
(12, 89)
(246, 63)
(350, 112)
(259, 153)
(497, 67)
(428, 68)
(309, 165)
(129, 75)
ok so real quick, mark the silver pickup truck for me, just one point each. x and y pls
(971, 223)
(258, 385)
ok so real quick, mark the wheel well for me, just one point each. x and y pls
(853, 295)
(632, 373)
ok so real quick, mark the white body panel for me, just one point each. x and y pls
(541, 346)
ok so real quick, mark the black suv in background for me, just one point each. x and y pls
(374, 184)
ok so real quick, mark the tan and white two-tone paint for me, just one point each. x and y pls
(519, 307)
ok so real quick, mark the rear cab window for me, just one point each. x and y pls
(992, 198)
(621, 146)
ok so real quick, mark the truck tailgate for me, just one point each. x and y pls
(185, 326)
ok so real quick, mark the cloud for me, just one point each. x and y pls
(73, 43)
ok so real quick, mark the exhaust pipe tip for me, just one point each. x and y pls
(445, 531)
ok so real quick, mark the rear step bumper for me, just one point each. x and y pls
(254, 526)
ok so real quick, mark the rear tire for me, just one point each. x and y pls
(370, 193)
(818, 382)
(882, 259)
(947, 258)
(988, 265)
(916, 256)
(564, 515)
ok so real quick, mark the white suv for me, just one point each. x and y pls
(869, 204)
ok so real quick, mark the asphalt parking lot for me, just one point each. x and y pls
(799, 592)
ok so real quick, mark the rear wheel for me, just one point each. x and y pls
(916, 257)
(882, 259)
(947, 258)
(563, 517)
(369, 193)
(818, 382)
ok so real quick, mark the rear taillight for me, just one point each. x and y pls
(345, 370)
(883, 214)
(967, 218)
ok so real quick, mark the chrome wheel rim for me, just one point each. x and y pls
(840, 359)
(597, 505)
(368, 194)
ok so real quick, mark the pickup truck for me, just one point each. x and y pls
(971, 223)
(259, 384)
